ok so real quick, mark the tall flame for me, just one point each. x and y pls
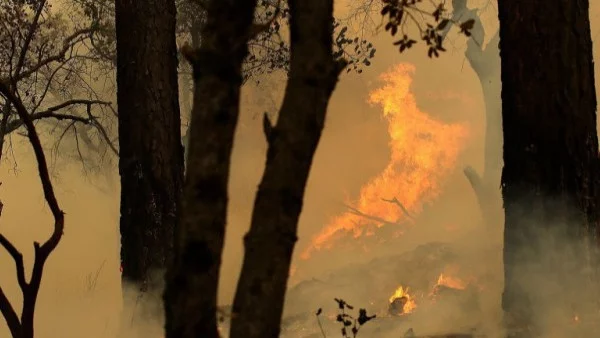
(423, 152)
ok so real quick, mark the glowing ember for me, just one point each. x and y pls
(401, 302)
(423, 152)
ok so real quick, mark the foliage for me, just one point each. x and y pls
(350, 324)
(399, 12)
(269, 51)
(430, 19)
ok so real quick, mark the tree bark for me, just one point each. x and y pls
(485, 61)
(259, 299)
(486, 64)
(550, 176)
(151, 153)
(191, 294)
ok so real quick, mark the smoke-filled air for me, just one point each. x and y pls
(299, 169)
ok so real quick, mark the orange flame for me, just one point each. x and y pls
(451, 282)
(423, 152)
(409, 304)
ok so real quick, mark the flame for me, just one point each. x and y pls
(409, 304)
(423, 152)
(451, 282)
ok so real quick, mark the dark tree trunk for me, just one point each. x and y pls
(151, 154)
(550, 176)
(191, 294)
(259, 299)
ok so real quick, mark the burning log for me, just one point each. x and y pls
(396, 307)
(401, 302)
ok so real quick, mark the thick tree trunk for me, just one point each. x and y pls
(550, 176)
(191, 293)
(259, 299)
(151, 154)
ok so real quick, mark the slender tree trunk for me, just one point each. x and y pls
(486, 64)
(550, 177)
(191, 293)
(485, 61)
(259, 299)
(151, 154)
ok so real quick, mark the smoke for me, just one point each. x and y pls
(81, 290)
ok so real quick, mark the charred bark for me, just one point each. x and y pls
(550, 176)
(259, 299)
(151, 153)
(191, 292)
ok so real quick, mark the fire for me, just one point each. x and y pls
(403, 300)
(451, 282)
(423, 152)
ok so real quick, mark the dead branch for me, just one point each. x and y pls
(23, 327)
(67, 44)
(404, 210)
(29, 37)
(52, 113)
(371, 217)
(476, 183)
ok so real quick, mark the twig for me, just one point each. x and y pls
(371, 217)
(404, 210)
(319, 322)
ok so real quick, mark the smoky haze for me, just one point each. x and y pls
(80, 294)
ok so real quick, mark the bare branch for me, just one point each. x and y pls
(36, 144)
(404, 210)
(27, 42)
(371, 217)
(68, 43)
(10, 315)
(30, 290)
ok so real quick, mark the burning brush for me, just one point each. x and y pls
(401, 302)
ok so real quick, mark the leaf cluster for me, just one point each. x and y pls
(350, 325)
(432, 24)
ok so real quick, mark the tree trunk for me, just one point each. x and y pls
(486, 64)
(191, 293)
(550, 176)
(259, 299)
(151, 154)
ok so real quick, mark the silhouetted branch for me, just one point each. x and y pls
(24, 326)
(404, 210)
(67, 44)
(371, 217)
(52, 113)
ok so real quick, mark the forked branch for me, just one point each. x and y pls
(23, 327)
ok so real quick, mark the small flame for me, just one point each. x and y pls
(451, 282)
(402, 293)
